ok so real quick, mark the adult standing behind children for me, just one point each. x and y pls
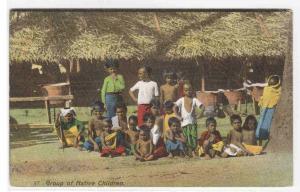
(187, 108)
(268, 102)
(147, 90)
(112, 87)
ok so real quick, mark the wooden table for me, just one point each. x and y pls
(45, 99)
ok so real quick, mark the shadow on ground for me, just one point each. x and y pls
(31, 136)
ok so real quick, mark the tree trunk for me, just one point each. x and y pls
(281, 133)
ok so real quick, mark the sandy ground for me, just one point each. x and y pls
(43, 164)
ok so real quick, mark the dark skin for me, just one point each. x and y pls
(144, 147)
(188, 101)
(207, 144)
(121, 113)
(235, 137)
(249, 134)
(175, 135)
(168, 91)
(143, 76)
(107, 131)
(95, 128)
(158, 119)
(132, 134)
(68, 118)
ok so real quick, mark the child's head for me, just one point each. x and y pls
(211, 124)
(111, 65)
(155, 107)
(273, 80)
(174, 124)
(149, 120)
(169, 77)
(144, 72)
(132, 122)
(236, 121)
(188, 89)
(121, 110)
(98, 109)
(144, 133)
(107, 124)
(250, 123)
(168, 107)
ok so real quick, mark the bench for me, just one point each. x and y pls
(46, 99)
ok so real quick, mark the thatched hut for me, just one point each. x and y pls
(208, 46)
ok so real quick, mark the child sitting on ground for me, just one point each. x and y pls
(268, 102)
(95, 128)
(156, 129)
(132, 134)
(248, 133)
(144, 147)
(68, 128)
(174, 138)
(187, 107)
(147, 90)
(210, 142)
(234, 141)
(168, 110)
(109, 141)
(169, 91)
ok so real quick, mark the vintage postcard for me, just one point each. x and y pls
(151, 98)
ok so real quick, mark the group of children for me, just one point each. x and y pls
(157, 131)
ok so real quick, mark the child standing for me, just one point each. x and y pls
(234, 141)
(248, 133)
(95, 128)
(168, 113)
(210, 142)
(147, 90)
(175, 140)
(169, 91)
(187, 106)
(144, 147)
(112, 87)
(268, 102)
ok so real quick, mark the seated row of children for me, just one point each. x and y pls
(158, 136)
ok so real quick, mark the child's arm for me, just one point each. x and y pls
(103, 90)
(181, 138)
(161, 95)
(169, 135)
(150, 150)
(103, 140)
(132, 89)
(120, 83)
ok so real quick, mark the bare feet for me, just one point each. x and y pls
(207, 157)
(170, 155)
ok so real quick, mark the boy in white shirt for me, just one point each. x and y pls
(187, 105)
(147, 90)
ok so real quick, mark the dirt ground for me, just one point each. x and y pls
(42, 163)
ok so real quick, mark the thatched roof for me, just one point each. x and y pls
(238, 34)
(52, 36)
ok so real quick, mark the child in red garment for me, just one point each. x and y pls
(210, 142)
(147, 90)
(109, 141)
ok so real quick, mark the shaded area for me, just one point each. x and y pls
(27, 137)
